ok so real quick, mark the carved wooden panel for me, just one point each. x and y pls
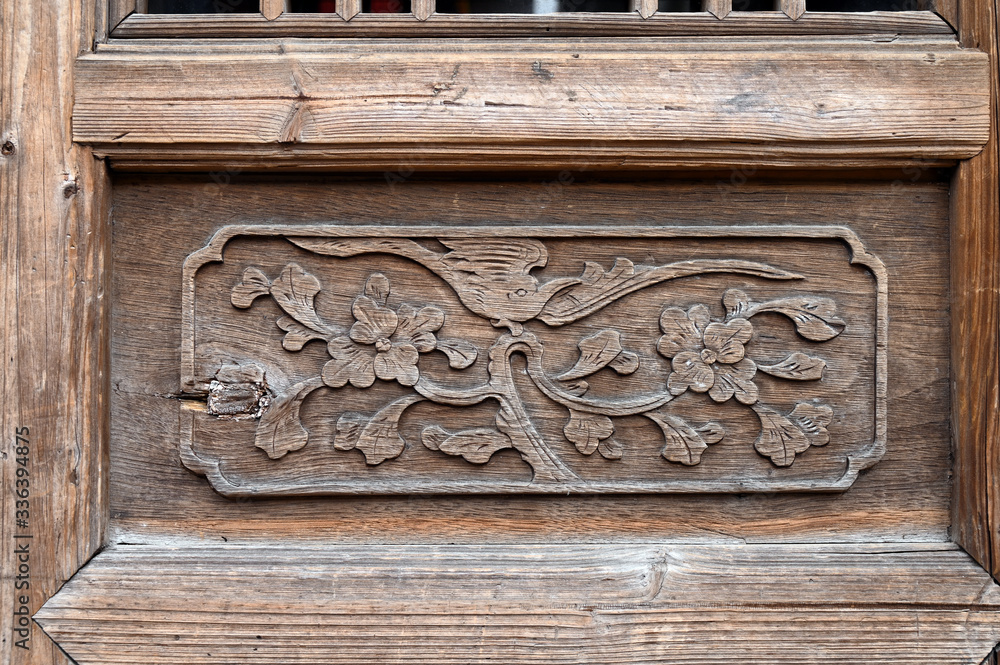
(328, 359)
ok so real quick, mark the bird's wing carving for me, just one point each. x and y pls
(494, 258)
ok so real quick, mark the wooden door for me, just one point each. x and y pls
(428, 338)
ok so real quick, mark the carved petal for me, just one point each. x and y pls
(797, 366)
(294, 291)
(474, 445)
(377, 288)
(736, 302)
(587, 430)
(255, 284)
(610, 449)
(297, 334)
(700, 317)
(279, 430)
(460, 353)
(596, 351)
(735, 380)
(813, 420)
(626, 363)
(679, 333)
(690, 371)
(351, 362)
(779, 438)
(727, 339)
(399, 363)
(413, 321)
(373, 321)
(684, 444)
(380, 439)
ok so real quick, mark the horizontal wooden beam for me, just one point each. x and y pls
(606, 24)
(818, 102)
(710, 603)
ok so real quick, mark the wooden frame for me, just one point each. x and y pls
(54, 212)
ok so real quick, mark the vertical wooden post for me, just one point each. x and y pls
(718, 8)
(348, 9)
(422, 9)
(272, 9)
(54, 234)
(793, 9)
(975, 237)
(646, 8)
(119, 9)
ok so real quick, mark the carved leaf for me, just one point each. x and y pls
(297, 335)
(460, 353)
(685, 444)
(349, 428)
(279, 430)
(377, 288)
(813, 421)
(596, 352)
(294, 291)
(610, 449)
(736, 303)
(255, 284)
(779, 439)
(625, 363)
(797, 366)
(474, 445)
(587, 430)
(379, 440)
(815, 318)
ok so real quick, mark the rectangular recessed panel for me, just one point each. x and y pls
(325, 359)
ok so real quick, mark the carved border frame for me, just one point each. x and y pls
(213, 252)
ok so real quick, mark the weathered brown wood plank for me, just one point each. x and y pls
(536, 604)
(118, 11)
(905, 496)
(555, 25)
(679, 105)
(975, 320)
(54, 201)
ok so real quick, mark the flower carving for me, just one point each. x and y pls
(707, 356)
(383, 342)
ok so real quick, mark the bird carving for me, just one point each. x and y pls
(491, 277)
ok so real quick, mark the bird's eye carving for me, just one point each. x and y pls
(520, 293)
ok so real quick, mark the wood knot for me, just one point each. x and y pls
(8, 148)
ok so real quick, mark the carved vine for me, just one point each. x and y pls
(492, 279)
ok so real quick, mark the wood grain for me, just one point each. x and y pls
(645, 8)
(118, 11)
(546, 102)
(272, 9)
(717, 8)
(595, 24)
(54, 341)
(793, 9)
(905, 496)
(975, 321)
(543, 604)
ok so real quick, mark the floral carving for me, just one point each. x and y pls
(707, 355)
(383, 342)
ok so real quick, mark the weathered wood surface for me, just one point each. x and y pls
(54, 235)
(118, 11)
(272, 9)
(976, 319)
(631, 604)
(604, 24)
(545, 103)
(689, 358)
(906, 495)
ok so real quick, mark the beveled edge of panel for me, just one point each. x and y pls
(182, 118)
(213, 252)
(539, 603)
